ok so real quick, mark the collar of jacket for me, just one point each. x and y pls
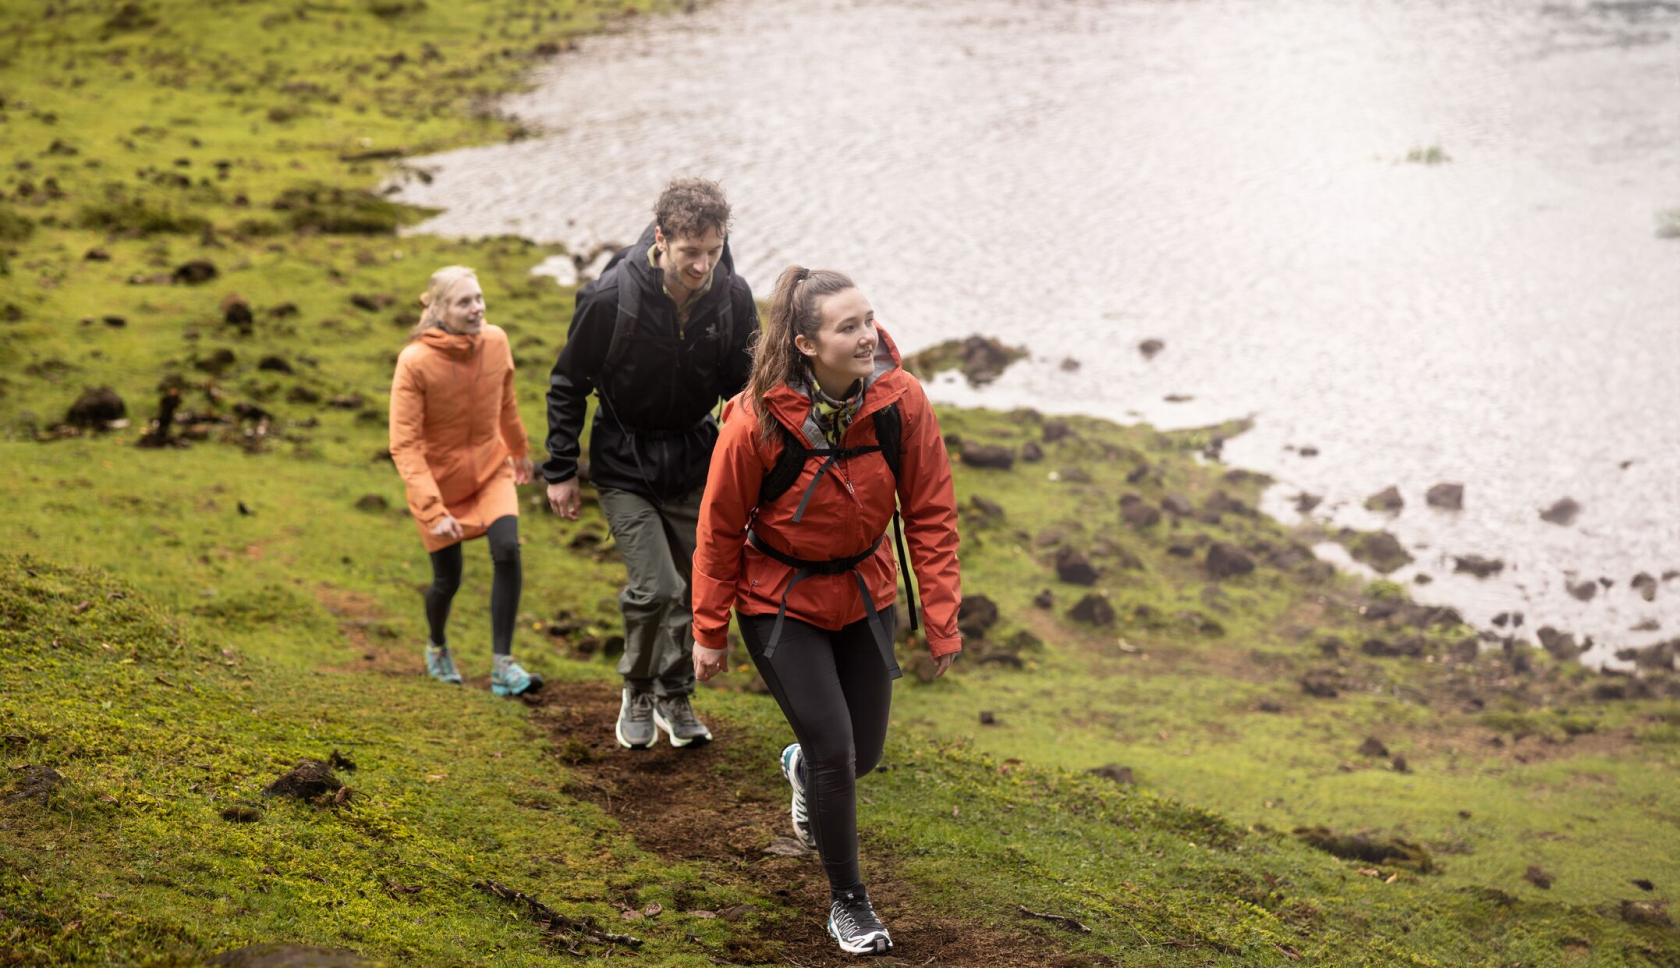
(459, 346)
(652, 278)
(791, 404)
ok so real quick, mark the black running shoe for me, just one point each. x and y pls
(852, 922)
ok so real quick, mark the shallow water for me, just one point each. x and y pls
(1228, 176)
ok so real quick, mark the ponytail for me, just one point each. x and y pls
(794, 311)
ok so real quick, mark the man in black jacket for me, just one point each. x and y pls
(663, 335)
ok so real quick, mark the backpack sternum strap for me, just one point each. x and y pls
(837, 566)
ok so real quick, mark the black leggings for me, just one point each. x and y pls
(504, 588)
(834, 689)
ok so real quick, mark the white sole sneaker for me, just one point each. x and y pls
(618, 728)
(660, 722)
(873, 943)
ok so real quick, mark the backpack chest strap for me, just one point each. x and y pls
(837, 566)
(833, 454)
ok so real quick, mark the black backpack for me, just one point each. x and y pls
(630, 306)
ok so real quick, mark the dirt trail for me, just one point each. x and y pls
(694, 805)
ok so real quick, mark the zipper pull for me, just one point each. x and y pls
(849, 489)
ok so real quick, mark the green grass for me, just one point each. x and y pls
(235, 594)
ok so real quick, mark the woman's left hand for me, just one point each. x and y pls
(943, 662)
(522, 470)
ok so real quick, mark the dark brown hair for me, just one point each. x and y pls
(795, 310)
(691, 207)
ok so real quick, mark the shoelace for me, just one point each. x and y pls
(855, 916)
(681, 713)
(641, 706)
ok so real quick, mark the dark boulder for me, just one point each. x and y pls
(1477, 565)
(218, 362)
(96, 408)
(274, 364)
(1177, 505)
(195, 272)
(373, 503)
(1561, 645)
(1323, 683)
(1055, 430)
(1031, 452)
(307, 780)
(984, 511)
(1139, 513)
(1563, 511)
(1448, 496)
(1388, 499)
(1150, 347)
(1645, 585)
(1093, 609)
(236, 312)
(1373, 747)
(1074, 568)
(1410, 647)
(1305, 502)
(1044, 599)
(1226, 560)
(991, 456)
(1584, 591)
(976, 615)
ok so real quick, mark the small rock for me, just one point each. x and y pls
(786, 847)
(1388, 499)
(1582, 591)
(1399, 764)
(1074, 568)
(115, 322)
(1372, 747)
(1270, 706)
(986, 510)
(1322, 683)
(1448, 496)
(274, 364)
(1177, 505)
(1055, 430)
(986, 718)
(1093, 609)
(1502, 619)
(218, 362)
(1645, 585)
(347, 401)
(992, 456)
(1477, 565)
(96, 408)
(1150, 347)
(1562, 512)
(1069, 364)
(372, 303)
(1305, 502)
(1644, 885)
(1226, 560)
(1044, 599)
(1308, 451)
(96, 255)
(372, 502)
(195, 272)
(302, 394)
(1140, 514)
(1031, 452)
(1116, 772)
(976, 615)
(307, 780)
(236, 312)
(921, 666)
(1561, 645)
(1539, 878)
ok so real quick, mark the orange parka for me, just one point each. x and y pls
(454, 424)
(851, 507)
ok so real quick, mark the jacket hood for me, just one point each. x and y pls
(458, 346)
(652, 279)
(791, 402)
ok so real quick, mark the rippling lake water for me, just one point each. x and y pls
(1228, 176)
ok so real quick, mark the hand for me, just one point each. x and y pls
(943, 662)
(563, 499)
(522, 470)
(448, 528)
(709, 662)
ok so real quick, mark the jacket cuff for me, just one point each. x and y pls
(941, 647)
(560, 477)
(714, 639)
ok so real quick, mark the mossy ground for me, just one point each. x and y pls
(243, 613)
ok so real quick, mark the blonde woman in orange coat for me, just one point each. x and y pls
(460, 447)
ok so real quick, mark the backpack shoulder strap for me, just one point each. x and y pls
(889, 433)
(789, 463)
(629, 307)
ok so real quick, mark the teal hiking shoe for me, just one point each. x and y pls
(441, 665)
(793, 768)
(508, 679)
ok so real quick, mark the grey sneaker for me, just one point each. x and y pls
(635, 720)
(676, 717)
(852, 922)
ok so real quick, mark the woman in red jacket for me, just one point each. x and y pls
(813, 456)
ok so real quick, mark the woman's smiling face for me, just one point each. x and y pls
(844, 348)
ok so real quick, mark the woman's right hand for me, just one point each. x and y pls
(709, 662)
(448, 528)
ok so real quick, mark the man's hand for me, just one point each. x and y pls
(709, 662)
(522, 470)
(943, 662)
(448, 528)
(563, 499)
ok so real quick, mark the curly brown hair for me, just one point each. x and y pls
(691, 207)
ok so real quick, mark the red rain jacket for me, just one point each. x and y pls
(852, 506)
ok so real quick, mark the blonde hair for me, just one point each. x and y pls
(794, 309)
(432, 300)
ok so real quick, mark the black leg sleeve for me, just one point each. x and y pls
(446, 580)
(508, 582)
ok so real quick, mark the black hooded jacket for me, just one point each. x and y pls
(653, 433)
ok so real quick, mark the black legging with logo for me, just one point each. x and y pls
(835, 691)
(504, 587)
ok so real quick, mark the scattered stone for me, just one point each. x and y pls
(372, 303)
(1644, 885)
(1477, 565)
(1308, 450)
(980, 358)
(921, 665)
(993, 456)
(338, 761)
(217, 363)
(1645, 585)
(1226, 560)
(195, 272)
(1093, 609)
(1422, 578)
(986, 511)
(1502, 619)
(288, 956)
(1044, 599)
(274, 364)
(1388, 499)
(285, 310)
(115, 322)
(1323, 683)
(1388, 851)
(1399, 764)
(1645, 625)
(1055, 430)
(1139, 513)
(1031, 452)
(1448, 496)
(986, 718)
(1114, 771)
(1408, 648)
(1177, 505)
(96, 254)
(1539, 878)
(1561, 645)
(236, 312)
(1654, 913)
(36, 783)
(373, 502)
(1330, 647)
(1221, 504)
(1582, 591)
(240, 813)
(1305, 502)
(1074, 568)
(1270, 706)
(1181, 550)
(1150, 347)
(976, 615)
(302, 394)
(96, 409)
(1069, 364)
(347, 401)
(305, 781)
(1373, 747)
(1562, 512)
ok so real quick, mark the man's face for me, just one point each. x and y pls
(688, 259)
